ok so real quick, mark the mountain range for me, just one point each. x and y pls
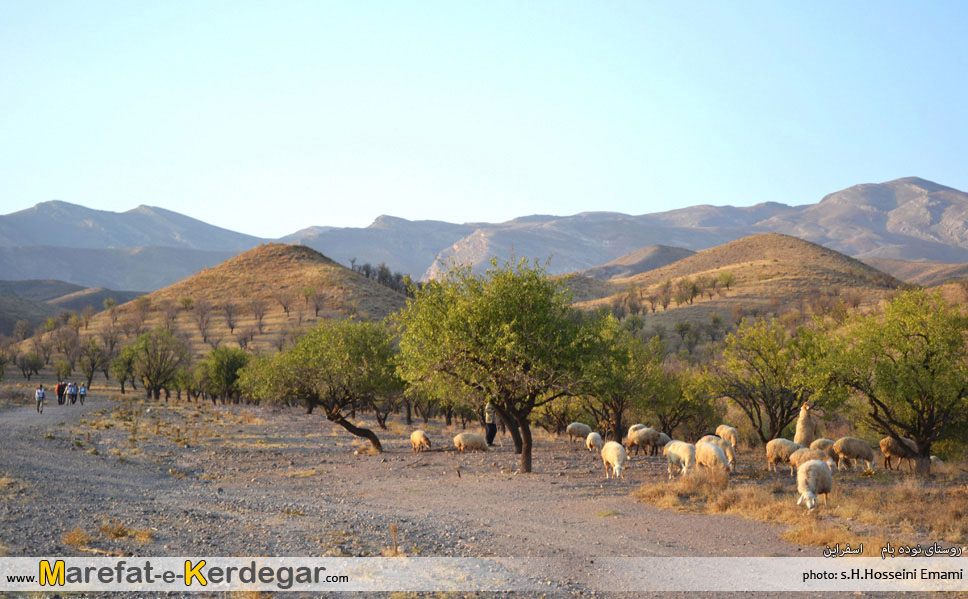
(147, 248)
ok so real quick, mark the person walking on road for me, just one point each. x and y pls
(40, 395)
(82, 393)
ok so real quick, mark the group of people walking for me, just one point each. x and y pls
(66, 392)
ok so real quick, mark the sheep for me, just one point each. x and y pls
(593, 442)
(808, 427)
(613, 454)
(709, 455)
(578, 430)
(779, 450)
(936, 462)
(470, 442)
(805, 454)
(644, 437)
(663, 440)
(725, 431)
(826, 446)
(419, 441)
(814, 478)
(852, 448)
(634, 428)
(892, 449)
(723, 444)
(680, 454)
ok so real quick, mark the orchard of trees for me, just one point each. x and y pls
(511, 336)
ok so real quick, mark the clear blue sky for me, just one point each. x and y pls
(266, 117)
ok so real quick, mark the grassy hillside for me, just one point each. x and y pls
(38, 290)
(13, 309)
(641, 260)
(267, 276)
(772, 273)
(920, 273)
(92, 296)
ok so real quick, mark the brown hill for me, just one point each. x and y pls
(927, 274)
(771, 272)
(295, 286)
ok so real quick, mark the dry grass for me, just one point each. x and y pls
(77, 537)
(114, 530)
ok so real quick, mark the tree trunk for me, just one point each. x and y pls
(526, 444)
(512, 427)
(357, 430)
(616, 426)
(922, 465)
(449, 417)
(409, 414)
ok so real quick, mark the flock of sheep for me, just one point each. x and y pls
(812, 458)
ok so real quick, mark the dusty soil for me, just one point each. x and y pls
(242, 480)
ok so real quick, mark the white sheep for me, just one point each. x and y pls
(634, 428)
(814, 478)
(779, 450)
(664, 440)
(419, 441)
(851, 449)
(578, 430)
(470, 442)
(805, 454)
(614, 456)
(936, 462)
(723, 444)
(680, 455)
(709, 455)
(593, 442)
(808, 427)
(725, 431)
(826, 446)
(892, 449)
(643, 438)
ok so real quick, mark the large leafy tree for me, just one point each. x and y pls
(220, 372)
(768, 372)
(158, 356)
(509, 335)
(336, 365)
(621, 372)
(910, 365)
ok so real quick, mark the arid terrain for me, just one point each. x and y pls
(148, 478)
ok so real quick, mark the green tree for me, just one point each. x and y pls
(92, 358)
(122, 367)
(509, 334)
(768, 373)
(727, 279)
(29, 364)
(63, 370)
(682, 399)
(157, 357)
(910, 365)
(336, 365)
(621, 372)
(221, 367)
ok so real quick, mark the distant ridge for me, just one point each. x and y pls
(641, 260)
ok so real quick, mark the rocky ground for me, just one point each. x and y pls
(183, 479)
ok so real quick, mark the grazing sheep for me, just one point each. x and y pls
(725, 431)
(826, 446)
(805, 454)
(851, 449)
(892, 449)
(578, 430)
(936, 462)
(814, 478)
(680, 454)
(779, 450)
(664, 439)
(808, 427)
(723, 444)
(711, 456)
(419, 441)
(469, 442)
(613, 454)
(644, 437)
(593, 442)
